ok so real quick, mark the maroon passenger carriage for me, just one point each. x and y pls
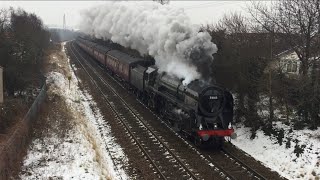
(118, 62)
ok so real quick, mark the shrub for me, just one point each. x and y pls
(299, 149)
(288, 143)
(10, 112)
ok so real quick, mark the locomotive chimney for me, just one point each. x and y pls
(1, 85)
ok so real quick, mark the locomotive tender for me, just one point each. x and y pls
(200, 110)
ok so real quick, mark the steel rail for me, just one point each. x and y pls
(192, 175)
(107, 148)
(120, 118)
(255, 173)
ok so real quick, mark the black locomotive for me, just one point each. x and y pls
(200, 110)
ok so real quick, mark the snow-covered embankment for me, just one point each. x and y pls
(81, 152)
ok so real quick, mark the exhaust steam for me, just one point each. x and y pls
(164, 32)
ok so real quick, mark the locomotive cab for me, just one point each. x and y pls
(151, 73)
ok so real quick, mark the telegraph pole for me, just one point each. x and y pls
(1, 85)
(271, 115)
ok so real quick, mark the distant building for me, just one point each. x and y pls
(284, 58)
(289, 63)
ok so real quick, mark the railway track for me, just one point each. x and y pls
(226, 164)
(232, 166)
(250, 171)
(162, 158)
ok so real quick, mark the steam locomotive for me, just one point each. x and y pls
(201, 111)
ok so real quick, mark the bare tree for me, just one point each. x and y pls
(22, 42)
(297, 20)
(234, 23)
(3, 19)
(240, 62)
(298, 24)
(162, 1)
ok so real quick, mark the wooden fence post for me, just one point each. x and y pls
(1, 85)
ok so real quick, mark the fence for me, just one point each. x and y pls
(12, 150)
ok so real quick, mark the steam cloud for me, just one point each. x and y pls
(161, 31)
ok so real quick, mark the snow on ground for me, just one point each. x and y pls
(281, 159)
(83, 153)
(71, 158)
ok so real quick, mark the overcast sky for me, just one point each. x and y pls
(51, 12)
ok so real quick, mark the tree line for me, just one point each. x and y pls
(247, 48)
(23, 40)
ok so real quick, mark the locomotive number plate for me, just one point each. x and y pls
(213, 97)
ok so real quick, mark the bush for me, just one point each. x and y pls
(288, 143)
(23, 40)
(10, 112)
(299, 125)
(298, 149)
(280, 136)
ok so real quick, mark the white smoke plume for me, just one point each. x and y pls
(164, 32)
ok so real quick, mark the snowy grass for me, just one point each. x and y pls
(72, 158)
(283, 158)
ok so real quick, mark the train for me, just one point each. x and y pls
(199, 110)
